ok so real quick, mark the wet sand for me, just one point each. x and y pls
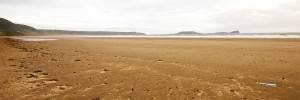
(150, 68)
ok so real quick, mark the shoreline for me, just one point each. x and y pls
(255, 36)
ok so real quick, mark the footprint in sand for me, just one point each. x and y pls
(199, 92)
(129, 68)
(62, 88)
(50, 81)
(58, 90)
(97, 71)
(104, 70)
(37, 74)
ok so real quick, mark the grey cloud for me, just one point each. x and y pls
(255, 20)
(156, 16)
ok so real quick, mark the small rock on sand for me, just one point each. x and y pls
(96, 98)
(32, 76)
(77, 60)
(10, 59)
(106, 69)
(53, 59)
(37, 71)
(44, 73)
(53, 80)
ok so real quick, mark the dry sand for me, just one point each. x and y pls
(150, 68)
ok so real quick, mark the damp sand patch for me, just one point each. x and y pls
(34, 39)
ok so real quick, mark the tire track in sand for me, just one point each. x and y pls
(2, 60)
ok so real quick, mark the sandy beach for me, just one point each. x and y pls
(150, 68)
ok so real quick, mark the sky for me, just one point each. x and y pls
(156, 16)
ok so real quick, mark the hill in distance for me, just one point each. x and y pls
(68, 32)
(9, 28)
(188, 33)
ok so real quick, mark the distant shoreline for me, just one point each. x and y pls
(172, 36)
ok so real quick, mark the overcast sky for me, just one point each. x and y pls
(156, 16)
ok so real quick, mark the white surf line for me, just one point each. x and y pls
(34, 39)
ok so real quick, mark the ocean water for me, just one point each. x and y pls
(52, 38)
(204, 36)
